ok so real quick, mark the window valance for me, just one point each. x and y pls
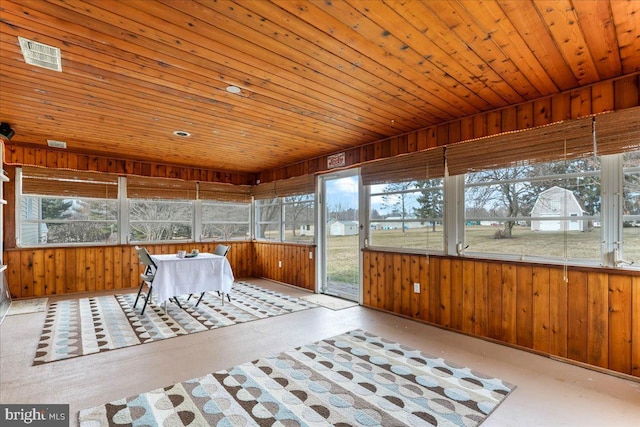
(618, 131)
(565, 140)
(224, 192)
(406, 167)
(160, 188)
(69, 183)
(305, 184)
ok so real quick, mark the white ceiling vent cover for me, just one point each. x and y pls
(56, 144)
(40, 55)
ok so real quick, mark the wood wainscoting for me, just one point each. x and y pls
(38, 272)
(591, 317)
(290, 263)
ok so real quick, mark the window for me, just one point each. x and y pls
(160, 210)
(160, 220)
(406, 200)
(58, 220)
(285, 209)
(299, 218)
(541, 210)
(226, 220)
(407, 214)
(631, 203)
(268, 219)
(58, 207)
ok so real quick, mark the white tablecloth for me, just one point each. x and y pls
(183, 276)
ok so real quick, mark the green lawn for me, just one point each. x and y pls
(342, 251)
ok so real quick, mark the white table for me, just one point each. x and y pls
(183, 276)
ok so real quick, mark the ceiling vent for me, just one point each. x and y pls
(56, 144)
(40, 55)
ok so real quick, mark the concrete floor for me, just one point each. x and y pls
(548, 393)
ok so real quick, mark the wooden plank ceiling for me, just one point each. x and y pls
(316, 76)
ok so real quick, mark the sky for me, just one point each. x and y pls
(343, 191)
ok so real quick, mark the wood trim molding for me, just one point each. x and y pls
(50, 158)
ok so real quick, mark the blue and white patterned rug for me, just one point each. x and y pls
(355, 379)
(78, 327)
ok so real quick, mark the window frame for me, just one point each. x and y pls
(280, 204)
(619, 256)
(611, 219)
(257, 222)
(191, 223)
(463, 245)
(200, 206)
(19, 198)
(369, 193)
(21, 221)
(286, 203)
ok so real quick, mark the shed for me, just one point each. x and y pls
(343, 228)
(307, 230)
(558, 202)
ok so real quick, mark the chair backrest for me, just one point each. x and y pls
(222, 250)
(145, 258)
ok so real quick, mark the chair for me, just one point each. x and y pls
(147, 277)
(221, 250)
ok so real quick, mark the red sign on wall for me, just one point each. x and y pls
(336, 160)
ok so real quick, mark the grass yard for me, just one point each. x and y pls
(342, 251)
(342, 259)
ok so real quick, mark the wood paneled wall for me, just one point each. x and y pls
(592, 317)
(52, 158)
(298, 263)
(615, 94)
(37, 272)
(56, 271)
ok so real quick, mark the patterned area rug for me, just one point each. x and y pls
(84, 326)
(355, 379)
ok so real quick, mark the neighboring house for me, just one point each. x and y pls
(343, 228)
(395, 222)
(307, 230)
(494, 223)
(558, 202)
(32, 233)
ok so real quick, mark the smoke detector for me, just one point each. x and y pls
(40, 55)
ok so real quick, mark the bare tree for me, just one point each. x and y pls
(155, 221)
(507, 193)
(299, 207)
(397, 199)
(268, 212)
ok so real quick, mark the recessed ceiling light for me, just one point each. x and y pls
(181, 133)
(233, 89)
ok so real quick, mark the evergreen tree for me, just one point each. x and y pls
(431, 200)
(56, 208)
